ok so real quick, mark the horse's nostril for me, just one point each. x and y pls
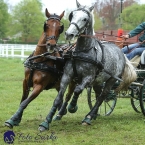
(52, 46)
(72, 35)
(48, 44)
(69, 35)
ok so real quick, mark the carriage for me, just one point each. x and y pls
(136, 91)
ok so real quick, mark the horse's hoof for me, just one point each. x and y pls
(72, 109)
(85, 124)
(43, 126)
(10, 123)
(86, 121)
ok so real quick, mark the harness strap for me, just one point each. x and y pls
(42, 67)
(51, 37)
(102, 48)
(76, 26)
(99, 64)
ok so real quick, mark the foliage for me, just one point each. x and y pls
(27, 19)
(66, 24)
(123, 127)
(24, 22)
(65, 21)
(97, 22)
(4, 17)
(109, 11)
(133, 16)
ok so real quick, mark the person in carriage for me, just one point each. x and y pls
(135, 49)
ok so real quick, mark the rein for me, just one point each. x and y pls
(93, 36)
(107, 34)
(41, 45)
(38, 56)
(140, 43)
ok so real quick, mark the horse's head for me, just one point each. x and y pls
(53, 27)
(79, 20)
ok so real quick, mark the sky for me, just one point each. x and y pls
(58, 6)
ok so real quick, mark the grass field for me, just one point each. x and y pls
(123, 127)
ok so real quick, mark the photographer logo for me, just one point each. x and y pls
(9, 137)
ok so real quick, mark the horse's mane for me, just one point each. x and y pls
(93, 21)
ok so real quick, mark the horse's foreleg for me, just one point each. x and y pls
(72, 108)
(93, 113)
(25, 90)
(57, 102)
(26, 84)
(63, 110)
(16, 118)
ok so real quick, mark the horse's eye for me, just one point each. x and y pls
(85, 19)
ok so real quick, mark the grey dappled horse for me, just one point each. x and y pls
(92, 63)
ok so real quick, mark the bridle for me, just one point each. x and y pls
(76, 25)
(55, 17)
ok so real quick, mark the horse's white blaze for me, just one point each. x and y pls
(54, 24)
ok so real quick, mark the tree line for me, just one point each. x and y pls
(24, 22)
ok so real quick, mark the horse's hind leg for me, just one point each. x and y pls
(16, 118)
(63, 110)
(92, 114)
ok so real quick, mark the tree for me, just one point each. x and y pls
(65, 22)
(97, 21)
(133, 16)
(109, 10)
(28, 19)
(4, 17)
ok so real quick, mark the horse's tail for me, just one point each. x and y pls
(129, 75)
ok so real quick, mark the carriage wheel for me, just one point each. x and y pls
(142, 98)
(108, 104)
(134, 99)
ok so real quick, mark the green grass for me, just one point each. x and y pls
(123, 127)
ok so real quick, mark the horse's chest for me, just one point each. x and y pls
(85, 69)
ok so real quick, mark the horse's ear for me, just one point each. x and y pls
(91, 8)
(62, 14)
(78, 4)
(47, 14)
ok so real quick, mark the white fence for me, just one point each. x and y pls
(16, 50)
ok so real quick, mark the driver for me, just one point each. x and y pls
(137, 48)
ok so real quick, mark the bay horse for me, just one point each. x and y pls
(92, 63)
(43, 69)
